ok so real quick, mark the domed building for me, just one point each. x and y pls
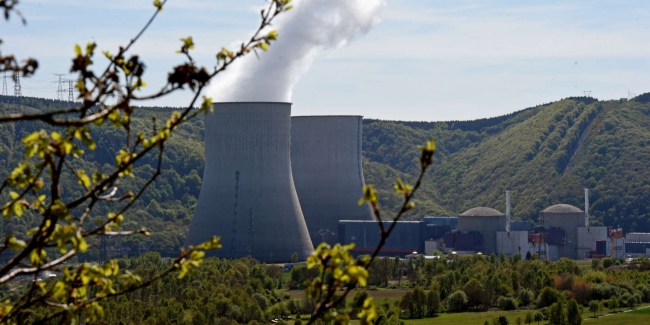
(568, 218)
(486, 221)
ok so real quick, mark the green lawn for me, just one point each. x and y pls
(636, 317)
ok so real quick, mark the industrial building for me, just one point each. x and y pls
(486, 221)
(449, 221)
(248, 196)
(326, 166)
(407, 236)
(568, 218)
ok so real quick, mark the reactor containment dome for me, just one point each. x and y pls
(486, 221)
(247, 195)
(327, 171)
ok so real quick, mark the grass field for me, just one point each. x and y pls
(636, 317)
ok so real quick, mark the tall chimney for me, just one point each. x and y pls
(508, 211)
(586, 207)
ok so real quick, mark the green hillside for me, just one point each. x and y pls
(545, 155)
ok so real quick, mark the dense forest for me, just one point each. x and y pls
(544, 154)
(244, 291)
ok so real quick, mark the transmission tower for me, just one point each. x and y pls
(70, 90)
(5, 92)
(18, 92)
(587, 93)
(59, 90)
(630, 95)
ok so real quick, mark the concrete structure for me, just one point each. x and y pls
(431, 246)
(450, 221)
(566, 217)
(616, 243)
(326, 164)
(407, 237)
(512, 242)
(587, 238)
(638, 237)
(248, 195)
(486, 221)
(521, 225)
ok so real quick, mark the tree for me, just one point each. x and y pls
(406, 303)
(528, 256)
(529, 317)
(503, 320)
(538, 317)
(518, 320)
(419, 301)
(594, 306)
(294, 258)
(547, 297)
(613, 303)
(525, 297)
(433, 302)
(574, 313)
(52, 161)
(457, 301)
(557, 314)
(596, 263)
(475, 292)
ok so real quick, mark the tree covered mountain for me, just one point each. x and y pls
(545, 155)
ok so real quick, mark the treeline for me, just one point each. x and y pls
(556, 290)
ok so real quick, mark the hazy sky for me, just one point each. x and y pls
(425, 60)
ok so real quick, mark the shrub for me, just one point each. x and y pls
(525, 297)
(547, 297)
(457, 301)
(506, 303)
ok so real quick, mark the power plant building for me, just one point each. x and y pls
(449, 221)
(568, 218)
(486, 221)
(327, 171)
(588, 239)
(407, 236)
(248, 196)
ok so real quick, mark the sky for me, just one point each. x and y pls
(425, 60)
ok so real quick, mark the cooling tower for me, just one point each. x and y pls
(326, 163)
(248, 197)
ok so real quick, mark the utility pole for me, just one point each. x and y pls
(5, 92)
(59, 90)
(18, 91)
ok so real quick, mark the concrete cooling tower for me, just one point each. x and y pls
(248, 196)
(326, 163)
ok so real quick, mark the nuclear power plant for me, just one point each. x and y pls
(274, 185)
(248, 196)
(326, 164)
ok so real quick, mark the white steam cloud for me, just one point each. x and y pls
(311, 27)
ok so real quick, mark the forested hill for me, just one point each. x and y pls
(545, 155)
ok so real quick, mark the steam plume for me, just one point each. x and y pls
(311, 27)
